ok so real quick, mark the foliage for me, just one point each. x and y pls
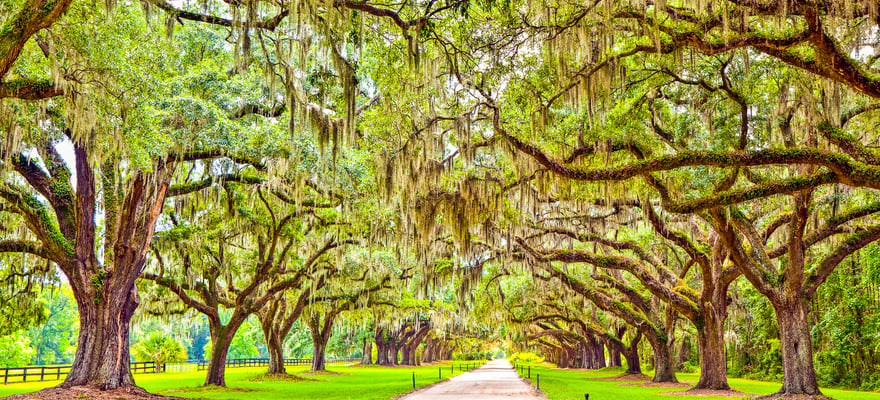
(526, 357)
(159, 348)
(15, 350)
(55, 340)
(247, 343)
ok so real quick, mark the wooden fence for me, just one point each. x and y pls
(264, 362)
(56, 372)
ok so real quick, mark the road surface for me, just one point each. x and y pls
(496, 380)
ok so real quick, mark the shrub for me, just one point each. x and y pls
(527, 357)
(160, 348)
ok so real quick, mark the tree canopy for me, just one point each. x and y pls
(595, 181)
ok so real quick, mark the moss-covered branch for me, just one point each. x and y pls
(850, 245)
(29, 89)
(684, 303)
(737, 196)
(31, 16)
(24, 246)
(187, 188)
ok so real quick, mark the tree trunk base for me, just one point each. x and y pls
(694, 391)
(793, 396)
(83, 392)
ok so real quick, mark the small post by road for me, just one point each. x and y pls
(439, 373)
(586, 396)
(539, 382)
(414, 379)
(530, 372)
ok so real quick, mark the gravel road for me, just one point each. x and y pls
(495, 380)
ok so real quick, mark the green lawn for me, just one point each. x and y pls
(352, 382)
(572, 384)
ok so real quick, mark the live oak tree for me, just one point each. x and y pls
(592, 74)
(696, 256)
(103, 153)
(240, 258)
(582, 333)
(353, 290)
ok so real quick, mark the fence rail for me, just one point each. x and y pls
(56, 372)
(264, 362)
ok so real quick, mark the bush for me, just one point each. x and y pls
(526, 357)
(160, 348)
(15, 350)
(688, 367)
(473, 355)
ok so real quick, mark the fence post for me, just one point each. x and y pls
(24, 374)
(58, 376)
(42, 373)
(6, 378)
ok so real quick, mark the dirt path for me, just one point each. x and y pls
(493, 381)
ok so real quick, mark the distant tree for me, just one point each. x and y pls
(53, 339)
(15, 350)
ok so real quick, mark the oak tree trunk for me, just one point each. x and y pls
(633, 365)
(713, 354)
(799, 375)
(102, 354)
(381, 351)
(405, 355)
(275, 347)
(428, 351)
(664, 362)
(613, 355)
(319, 351)
(393, 353)
(367, 356)
(221, 339)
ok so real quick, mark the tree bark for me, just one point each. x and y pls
(321, 332)
(428, 351)
(631, 355)
(367, 356)
(102, 353)
(319, 351)
(684, 352)
(221, 339)
(275, 347)
(613, 355)
(411, 347)
(664, 362)
(799, 374)
(713, 353)
(381, 348)
(393, 353)
(405, 355)
(31, 17)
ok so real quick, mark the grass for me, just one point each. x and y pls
(560, 384)
(349, 382)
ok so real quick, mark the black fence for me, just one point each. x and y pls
(56, 372)
(264, 362)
